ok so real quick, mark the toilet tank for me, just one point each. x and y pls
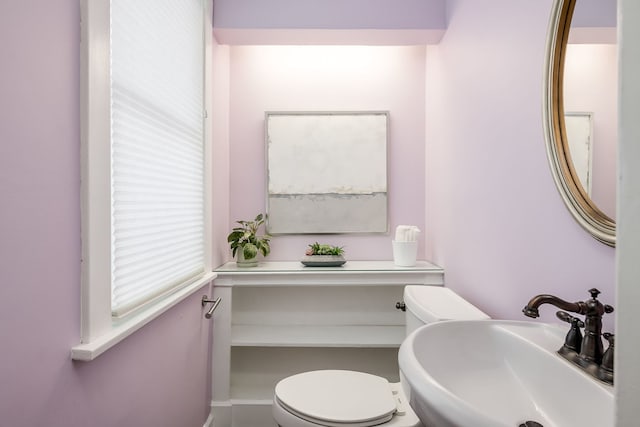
(429, 304)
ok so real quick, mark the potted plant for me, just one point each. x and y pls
(246, 243)
(323, 255)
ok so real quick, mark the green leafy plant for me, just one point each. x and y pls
(246, 237)
(320, 249)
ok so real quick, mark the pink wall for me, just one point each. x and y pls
(329, 14)
(497, 223)
(318, 78)
(329, 22)
(156, 377)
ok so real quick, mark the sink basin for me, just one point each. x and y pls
(493, 373)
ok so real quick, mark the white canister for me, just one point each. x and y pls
(405, 253)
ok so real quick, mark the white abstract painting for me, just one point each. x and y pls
(327, 172)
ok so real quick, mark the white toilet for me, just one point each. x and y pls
(336, 398)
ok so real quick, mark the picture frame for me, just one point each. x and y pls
(327, 172)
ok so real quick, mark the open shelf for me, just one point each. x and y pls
(370, 336)
(256, 371)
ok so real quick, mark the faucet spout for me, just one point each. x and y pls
(531, 309)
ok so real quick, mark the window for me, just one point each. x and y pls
(144, 173)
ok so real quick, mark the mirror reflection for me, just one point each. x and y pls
(579, 71)
(590, 99)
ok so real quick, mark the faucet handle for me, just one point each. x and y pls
(573, 341)
(610, 338)
(605, 371)
(594, 293)
(594, 296)
(566, 317)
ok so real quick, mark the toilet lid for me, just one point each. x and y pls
(335, 397)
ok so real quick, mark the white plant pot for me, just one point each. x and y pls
(244, 263)
(323, 260)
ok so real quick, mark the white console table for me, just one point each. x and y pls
(281, 318)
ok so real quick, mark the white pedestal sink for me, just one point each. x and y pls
(499, 373)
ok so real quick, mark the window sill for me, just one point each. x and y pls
(91, 350)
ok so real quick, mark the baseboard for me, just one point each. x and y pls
(241, 413)
(209, 421)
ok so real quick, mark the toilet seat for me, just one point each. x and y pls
(338, 398)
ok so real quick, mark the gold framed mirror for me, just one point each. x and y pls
(576, 198)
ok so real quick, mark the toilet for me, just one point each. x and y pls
(340, 398)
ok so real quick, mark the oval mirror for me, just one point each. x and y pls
(580, 123)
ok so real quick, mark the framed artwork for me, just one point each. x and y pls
(326, 172)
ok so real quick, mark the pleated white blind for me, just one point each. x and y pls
(157, 148)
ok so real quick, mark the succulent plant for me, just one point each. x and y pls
(321, 249)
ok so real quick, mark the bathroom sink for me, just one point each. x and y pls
(493, 373)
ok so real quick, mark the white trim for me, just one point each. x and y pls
(93, 349)
(221, 413)
(96, 181)
(575, 155)
(209, 420)
(98, 329)
(627, 369)
(208, 135)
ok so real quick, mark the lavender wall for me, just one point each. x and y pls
(156, 377)
(329, 22)
(320, 78)
(329, 14)
(498, 225)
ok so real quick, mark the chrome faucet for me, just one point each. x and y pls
(585, 351)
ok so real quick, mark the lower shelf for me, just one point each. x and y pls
(255, 371)
(371, 336)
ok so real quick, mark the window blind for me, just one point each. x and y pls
(157, 148)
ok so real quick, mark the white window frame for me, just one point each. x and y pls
(99, 330)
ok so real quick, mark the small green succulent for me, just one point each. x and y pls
(320, 249)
